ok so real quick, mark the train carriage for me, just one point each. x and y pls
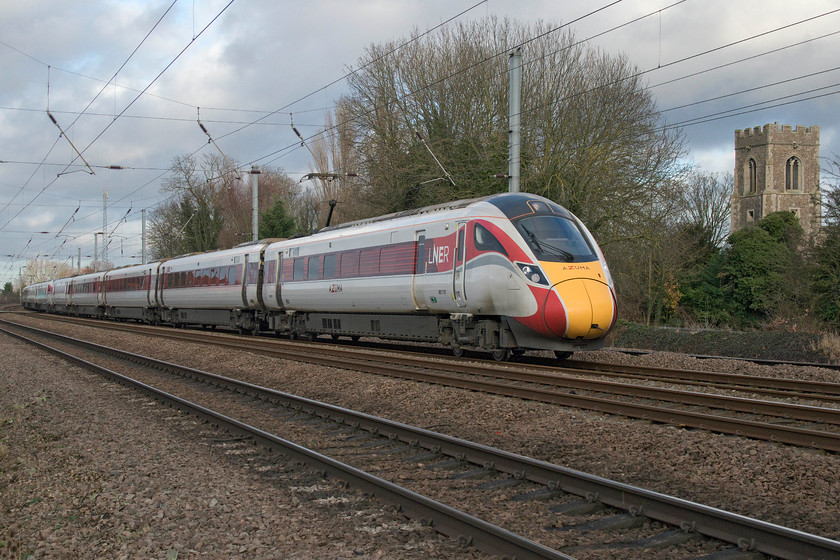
(219, 288)
(27, 296)
(86, 295)
(502, 273)
(130, 293)
(61, 295)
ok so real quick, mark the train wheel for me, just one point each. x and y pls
(458, 352)
(355, 338)
(562, 356)
(293, 335)
(334, 336)
(501, 355)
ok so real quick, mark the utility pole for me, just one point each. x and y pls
(514, 139)
(79, 261)
(255, 190)
(96, 252)
(143, 238)
(104, 227)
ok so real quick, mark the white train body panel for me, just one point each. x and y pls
(86, 290)
(132, 286)
(467, 260)
(61, 293)
(413, 264)
(218, 280)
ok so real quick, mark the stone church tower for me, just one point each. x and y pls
(777, 168)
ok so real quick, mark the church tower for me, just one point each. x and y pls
(777, 168)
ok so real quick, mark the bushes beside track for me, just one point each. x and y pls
(771, 345)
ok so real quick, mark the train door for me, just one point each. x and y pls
(279, 280)
(418, 278)
(147, 283)
(245, 282)
(459, 276)
(260, 303)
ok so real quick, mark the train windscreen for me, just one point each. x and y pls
(554, 238)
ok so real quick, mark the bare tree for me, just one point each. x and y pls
(41, 270)
(333, 181)
(831, 191)
(191, 219)
(592, 137)
(236, 203)
(705, 201)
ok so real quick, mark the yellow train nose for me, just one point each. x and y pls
(585, 309)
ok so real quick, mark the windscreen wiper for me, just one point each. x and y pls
(547, 247)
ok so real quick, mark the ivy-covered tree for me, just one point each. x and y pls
(825, 277)
(754, 278)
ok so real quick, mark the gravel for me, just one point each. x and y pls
(88, 466)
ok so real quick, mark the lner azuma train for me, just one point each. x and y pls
(505, 273)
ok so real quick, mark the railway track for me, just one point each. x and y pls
(784, 422)
(447, 466)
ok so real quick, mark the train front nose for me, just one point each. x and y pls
(584, 309)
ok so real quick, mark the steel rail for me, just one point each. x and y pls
(801, 385)
(389, 365)
(760, 361)
(469, 530)
(745, 532)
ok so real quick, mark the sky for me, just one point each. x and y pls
(126, 81)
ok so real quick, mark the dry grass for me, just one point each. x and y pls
(829, 344)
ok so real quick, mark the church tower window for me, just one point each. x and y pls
(792, 171)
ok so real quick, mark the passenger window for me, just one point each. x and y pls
(369, 262)
(314, 270)
(298, 273)
(329, 266)
(349, 264)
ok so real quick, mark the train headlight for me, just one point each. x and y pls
(533, 273)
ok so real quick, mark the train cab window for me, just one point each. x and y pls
(329, 266)
(486, 241)
(298, 270)
(556, 239)
(314, 268)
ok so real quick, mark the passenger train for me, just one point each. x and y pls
(504, 274)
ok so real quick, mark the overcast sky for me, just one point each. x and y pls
(244, 60)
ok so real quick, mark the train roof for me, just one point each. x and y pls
(512, 205)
